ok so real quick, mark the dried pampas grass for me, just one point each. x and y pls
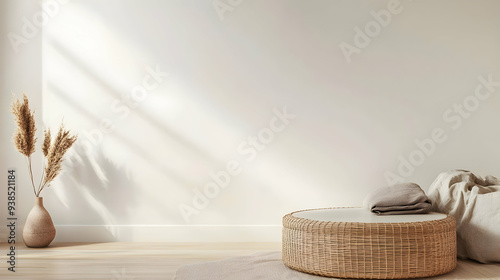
(55, 152)
(53, 149)
(24, 136)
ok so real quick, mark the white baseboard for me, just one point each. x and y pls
(168, 233)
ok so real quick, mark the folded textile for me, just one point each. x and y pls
(405, 198)
(475, 204)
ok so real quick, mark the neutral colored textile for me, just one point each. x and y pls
(268, 266)
(405, 198)
(475, 204)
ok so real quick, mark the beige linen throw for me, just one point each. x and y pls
(405, 198)
(475, 204)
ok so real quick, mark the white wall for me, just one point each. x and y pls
(142, 155)
(19, 71)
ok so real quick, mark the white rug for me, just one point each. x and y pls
(268, 266)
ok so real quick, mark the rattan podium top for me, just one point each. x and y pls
(361, 215)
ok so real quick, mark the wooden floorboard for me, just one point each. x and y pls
(118, 260)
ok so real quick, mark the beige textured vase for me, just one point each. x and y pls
(38, 229)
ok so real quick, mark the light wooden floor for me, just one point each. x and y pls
(154, 260)
(118, 260)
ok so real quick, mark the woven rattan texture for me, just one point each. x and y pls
(370, 250)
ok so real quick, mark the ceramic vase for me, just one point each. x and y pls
(39, 230)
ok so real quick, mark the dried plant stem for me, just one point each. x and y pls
(41, 178)
(31, 175)
(42, 187)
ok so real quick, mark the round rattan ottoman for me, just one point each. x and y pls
(355, 243)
